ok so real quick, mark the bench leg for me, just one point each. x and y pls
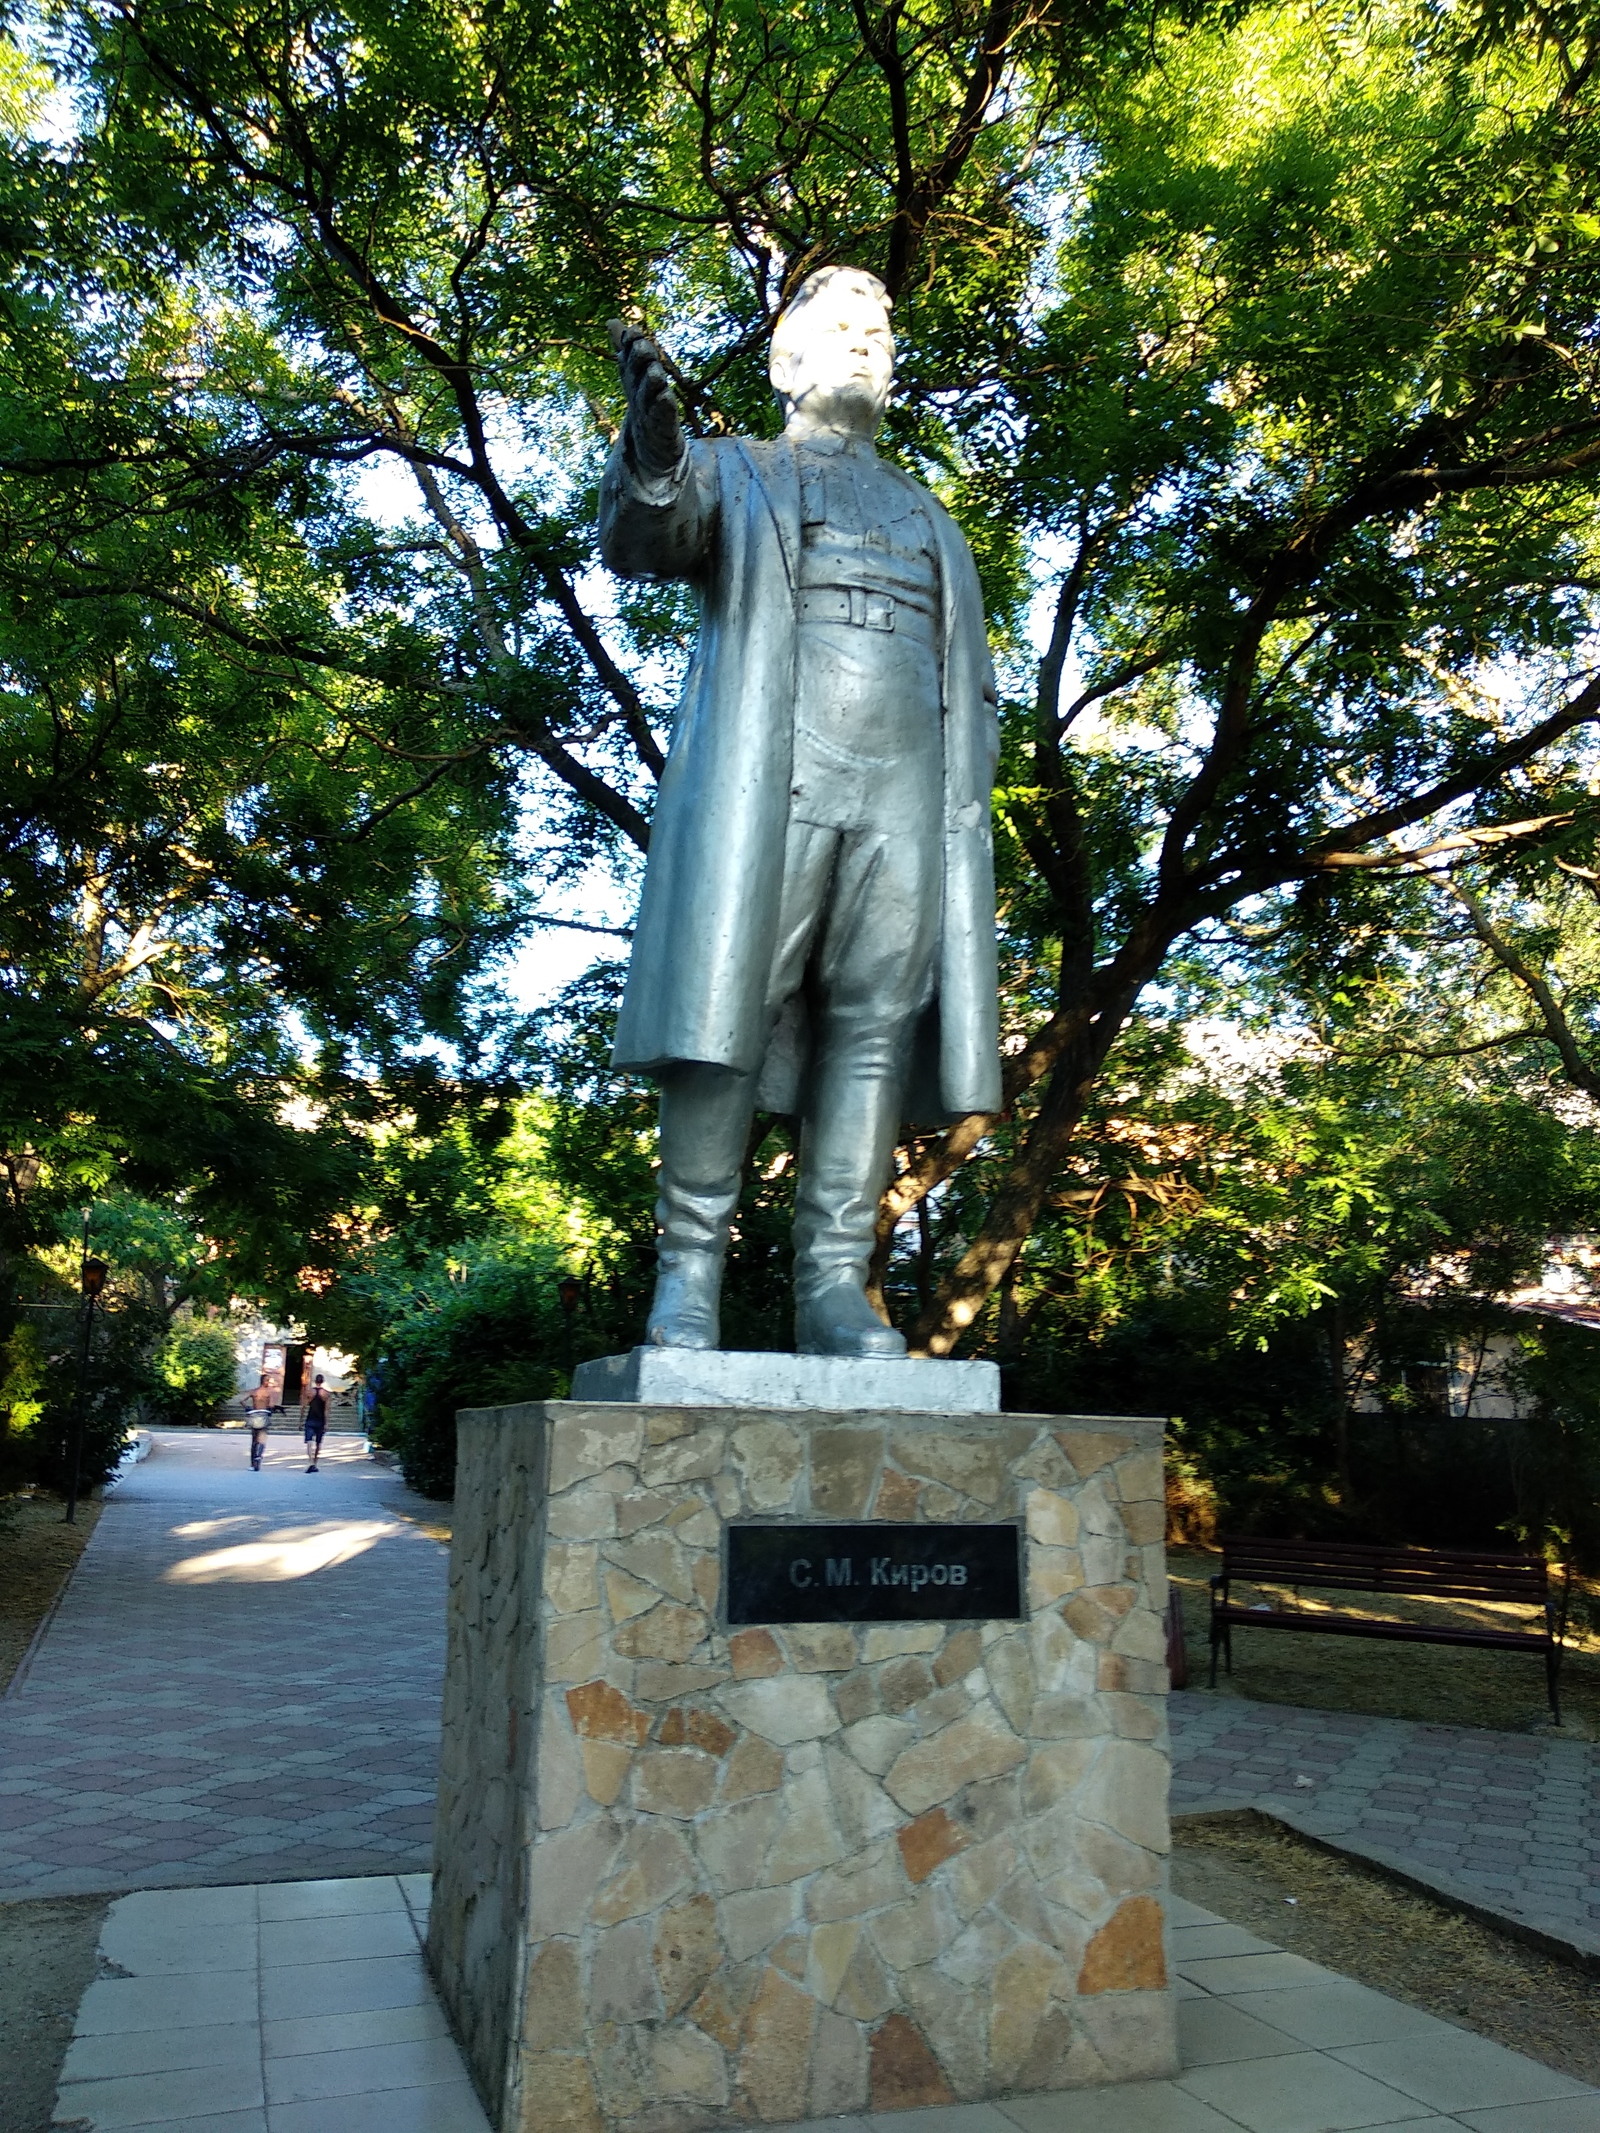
(1552, 1675)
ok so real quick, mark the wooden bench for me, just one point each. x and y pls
(1404, 1573)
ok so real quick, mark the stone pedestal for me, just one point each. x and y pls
(692, 1875)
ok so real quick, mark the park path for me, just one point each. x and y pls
(241, 1683)
(1504, 1822)
(309, 2009)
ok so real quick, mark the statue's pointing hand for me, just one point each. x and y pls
(655, 428)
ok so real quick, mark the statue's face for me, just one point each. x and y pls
(838, 362)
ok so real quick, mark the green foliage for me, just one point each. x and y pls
(1256, 346)
(1557, 1467)
(145, 1348)
(482, 1334)
(450, 1291)
(1287, 1251)
(24, 1386)
(41, 1372)
(193, 1371)
(23, 87)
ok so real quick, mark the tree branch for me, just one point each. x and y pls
(1557, 1028)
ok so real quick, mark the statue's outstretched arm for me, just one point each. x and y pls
(656, 503)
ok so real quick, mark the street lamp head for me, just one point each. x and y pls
(94, 1276)
(569, 1291)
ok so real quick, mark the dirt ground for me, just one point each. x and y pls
(1439, 1683)
(47, 1959)
(1349, 1918)
(37, 1551)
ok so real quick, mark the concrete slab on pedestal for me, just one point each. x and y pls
(830, 1384)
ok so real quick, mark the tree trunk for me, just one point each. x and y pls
(1014, 1209)
(1341, 1400)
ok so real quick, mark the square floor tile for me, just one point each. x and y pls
(1137, 2107)
(215, 2122)
(1456, 2071)
(1274, 1972)
(161, 2051)
(1572, 2114)
(160, 2099)
(446, 2109)
(188, 1907)
(1421, 2125)
(332, 1899)
(1304, 2092)
(943, 2118)
(344, 1988)
(113, 2005)
(1214, 2032)
(1189, 1943)
(826, 2125)
(151, 1947)
(1181, 1912)
(1327, 2016)
(289, 1942)
(348, 2032)
(368, 2069)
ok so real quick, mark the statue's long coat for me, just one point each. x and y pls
(708, 917)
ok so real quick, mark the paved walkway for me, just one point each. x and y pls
(241, 1683)
(299, 2007)
(1504, 1822)
(306, 2009)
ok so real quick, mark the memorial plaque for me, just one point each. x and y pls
(874, 1573)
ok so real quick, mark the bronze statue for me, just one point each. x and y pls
(816, 931)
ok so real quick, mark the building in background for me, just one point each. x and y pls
(275, 1369)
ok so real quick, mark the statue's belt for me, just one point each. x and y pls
(863, 610)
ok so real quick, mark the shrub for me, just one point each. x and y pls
(194, 1371)
(39, 1392)
(484, 1336)
(24, 1401)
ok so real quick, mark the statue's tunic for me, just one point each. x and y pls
(868, 738)
(841, 679)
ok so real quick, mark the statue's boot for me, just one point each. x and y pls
(705, 1124)
(846, 1146)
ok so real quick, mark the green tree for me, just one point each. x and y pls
(482, 1332)
(193, 1372)
(1258, 348)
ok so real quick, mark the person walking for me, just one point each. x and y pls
(260, 1421)
(316, 1424)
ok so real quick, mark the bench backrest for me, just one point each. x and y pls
(1425, 1573)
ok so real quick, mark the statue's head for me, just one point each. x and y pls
(833, 350)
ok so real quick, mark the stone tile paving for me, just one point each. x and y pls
(288, 2007)
(242, 1682)
(1506, 1822)
(307, 2009)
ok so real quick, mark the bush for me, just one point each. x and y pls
(195, 1370)
(485, 1336)
(39, 1368)
(24, 1402)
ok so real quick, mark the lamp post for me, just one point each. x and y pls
(93, 1281)
(569, 1291)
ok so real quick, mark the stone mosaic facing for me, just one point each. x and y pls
(689, 1878)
